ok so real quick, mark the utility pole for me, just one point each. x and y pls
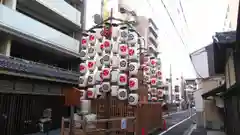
(170, 81)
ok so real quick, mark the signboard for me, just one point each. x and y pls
(123, 124)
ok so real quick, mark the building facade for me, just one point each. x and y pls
(39, 46)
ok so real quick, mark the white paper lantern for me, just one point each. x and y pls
(114, 75)
(83, 55)
(123, 50)
(106, 87)
(115, 47)
(106, 59)
(107, 45)
(132, 37)
(106, 73)
(83, 68)
(82, 81)
(123, 64)
(92, 38)
(91, 93)
(133, 84)
(99, 48)
(91, 65)
(98, 75)
(123, 33)
(153, 62)
(153, 81)
(122, 94)
(122, 79)
(84, 42)
(83, 94)
(132, 53)
(98, 91)
(91, 52)
(91, 79)
(114, 90)
(133, 68)
(115, 61)
(133, 99)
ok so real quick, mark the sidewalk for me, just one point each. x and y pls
(203, 131)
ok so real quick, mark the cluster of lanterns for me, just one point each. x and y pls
(153, 78)
(110, 65)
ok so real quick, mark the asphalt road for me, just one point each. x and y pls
(178, 123)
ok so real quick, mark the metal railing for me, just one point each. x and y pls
(21, 65)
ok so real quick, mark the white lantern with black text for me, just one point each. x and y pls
(132, 37)
(115, 61)
(99, 62)
(114, 75)
(106, 59)
(122, 94)
(123, 34)
(123, 50)
(99, 48)
(98, 34)
(115, 47)
(147, 70)
(146, 78)
(133, 99)
(91, 79)
(133, 84)
(98, 90)
(123, 64)
(83, 68)
(133, 68)
(83, 94)
(122, 79)
(160, 93)
(91, 52)
(83, 55)
(98, 76)
(106, 87)
(91, 65)
(154, 91)
(91, 93)
(114, 90)
(159, 74)
(106, 73)
(82, 81)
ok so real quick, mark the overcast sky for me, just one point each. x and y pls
(204, 18)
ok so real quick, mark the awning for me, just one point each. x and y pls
(214, 91)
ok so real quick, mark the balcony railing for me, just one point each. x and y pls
(56, 10)
(27, 28)
(37, 69)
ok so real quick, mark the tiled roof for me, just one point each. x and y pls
(225, 37)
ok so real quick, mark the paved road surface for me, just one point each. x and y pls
(178, 123)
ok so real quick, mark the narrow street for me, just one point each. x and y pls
(178, 123)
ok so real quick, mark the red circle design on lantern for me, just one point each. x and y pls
(122, 79)
(89, 93)
(84, 41)
(146, 68)
(131, 52)
(105, 72)
(131, 83)
(153, 62)
(107, 44)
(123, 48)
(81, 67)
(91, 37)
(153, 81)
(90, 64)
(159, 73)
(102, 46)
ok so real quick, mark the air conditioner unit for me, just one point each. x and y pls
(115, 61)
(107, 45)
(98, 75)
(91, 93)
(133, 84)
(122, 79)
(114, 75)
(106, 73)
(91, 65)
(123, 64)
(106, 59)
(132, 37)
(82, 81)
(91, 52)
(115, 47)
(106, 87)
(83, 68)
(91, 79)
(132, 53)
(114, 90)
(84, 43)
(92, 39)
(133, 68)
(83, 55)
(83, 94)
(153, 81)
(133, 99)
(123, 50)
(122, 94)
